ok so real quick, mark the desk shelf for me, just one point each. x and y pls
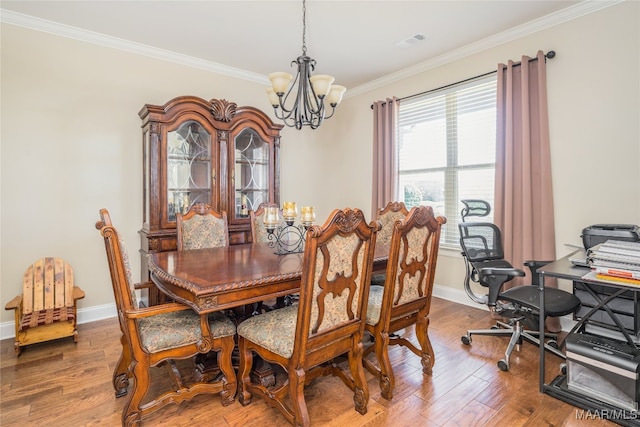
(625, 306)
(596, 296)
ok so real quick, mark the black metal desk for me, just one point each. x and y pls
(564, 269)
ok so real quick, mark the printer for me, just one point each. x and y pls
(600, 233)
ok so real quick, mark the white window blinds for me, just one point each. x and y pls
(446, 149)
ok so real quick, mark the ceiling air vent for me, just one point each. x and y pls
(411, 41)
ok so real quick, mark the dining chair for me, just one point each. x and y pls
(327, 322)
(392, 212)
(202, 227)
(405, 299)
(161, 335)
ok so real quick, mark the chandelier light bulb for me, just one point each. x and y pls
(335, 94)
(321, 84)
(280, 81)
(273, 97)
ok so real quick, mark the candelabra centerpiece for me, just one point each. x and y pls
(287, 238)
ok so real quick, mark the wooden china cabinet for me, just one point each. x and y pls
(205, 151)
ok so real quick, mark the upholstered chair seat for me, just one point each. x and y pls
(274, 330)
(179, 328)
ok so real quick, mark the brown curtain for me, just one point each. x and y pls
(523, 187)
(385, 158)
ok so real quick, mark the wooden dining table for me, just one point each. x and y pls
(232, 277)
(216, 279)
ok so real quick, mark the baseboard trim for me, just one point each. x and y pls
(106, 311)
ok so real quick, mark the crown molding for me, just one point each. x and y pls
(33, 23)
(584, 8)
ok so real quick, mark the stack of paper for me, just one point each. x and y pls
(615, 261)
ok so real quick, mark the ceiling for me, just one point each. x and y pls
(355, 41)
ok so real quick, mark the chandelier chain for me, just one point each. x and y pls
(304, 27)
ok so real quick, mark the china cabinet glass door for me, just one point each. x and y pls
(188, 168)
(251, 172)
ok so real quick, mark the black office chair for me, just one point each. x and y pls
(484, 258)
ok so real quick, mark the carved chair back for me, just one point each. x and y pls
(412, 263)
(202, 227)
(387, 216)
(334, 290)
(119, 266)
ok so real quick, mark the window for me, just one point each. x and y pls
(446, 150)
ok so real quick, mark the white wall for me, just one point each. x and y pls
(71, 142)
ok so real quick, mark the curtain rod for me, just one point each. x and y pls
(549, 55)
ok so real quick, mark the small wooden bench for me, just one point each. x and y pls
(46, 310)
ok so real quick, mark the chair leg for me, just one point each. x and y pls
(244, 371)
(230, 382)
(361, 390)
(121, 372)
(515, 340)
(428, 358)
(132, 414)
(387, 379)
(296, 392)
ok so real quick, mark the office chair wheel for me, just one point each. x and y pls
(563, 368)
(466, 339)
(553, 344)
(503, 365)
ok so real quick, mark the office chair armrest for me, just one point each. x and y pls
(533, 266)
(495, 277)
(507, 273)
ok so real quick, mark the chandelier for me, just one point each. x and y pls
(308, 95)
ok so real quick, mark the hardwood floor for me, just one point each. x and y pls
(65, 384)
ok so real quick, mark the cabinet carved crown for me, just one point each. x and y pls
(223, 110)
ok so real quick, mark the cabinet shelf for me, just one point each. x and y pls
(179, 158)
(251, 190)
(253, 162)
(187, 190)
